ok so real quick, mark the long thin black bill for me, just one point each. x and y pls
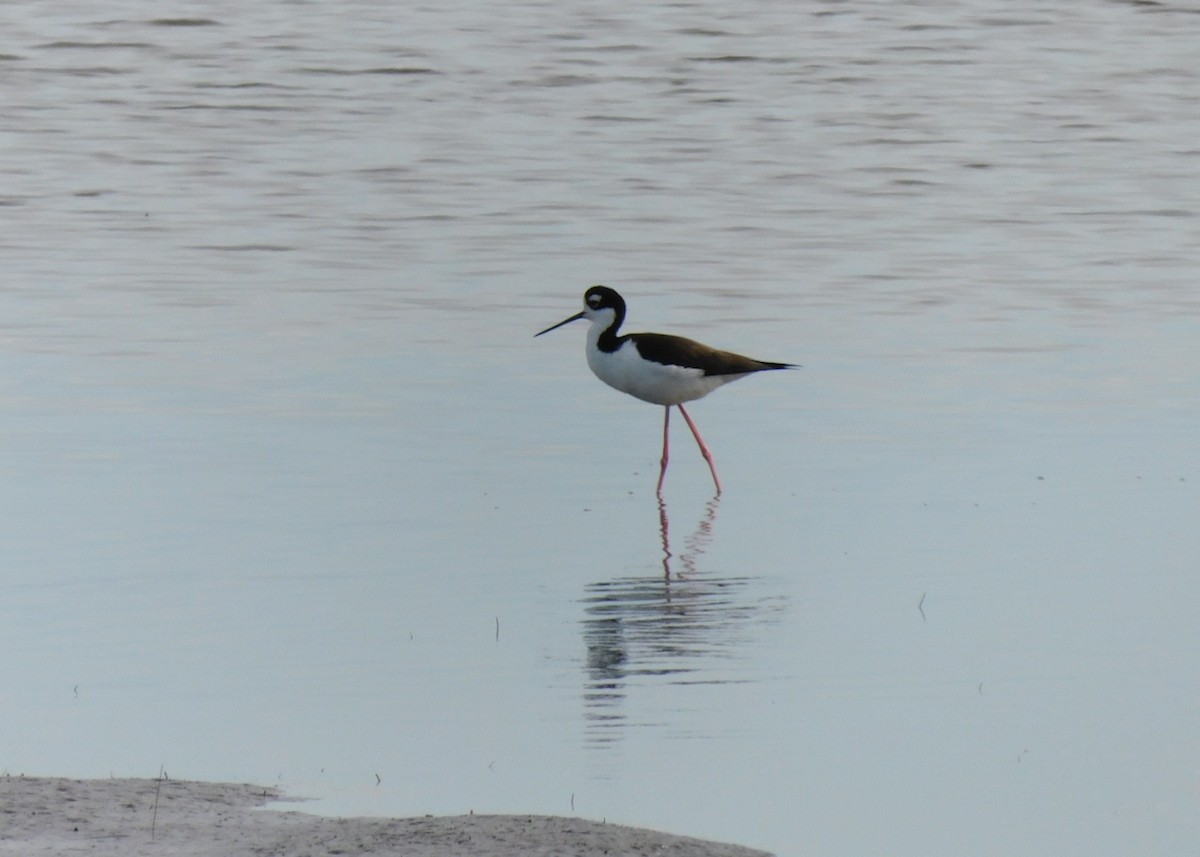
(575, 317)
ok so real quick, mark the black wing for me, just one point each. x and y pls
(680, 351)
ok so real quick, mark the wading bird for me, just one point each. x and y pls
(657, 367)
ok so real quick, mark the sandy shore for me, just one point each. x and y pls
(120, 818)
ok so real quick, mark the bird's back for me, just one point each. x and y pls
(681, 351)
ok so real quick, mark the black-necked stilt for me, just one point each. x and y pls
(656, 367)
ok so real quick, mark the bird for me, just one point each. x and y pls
(657, 367)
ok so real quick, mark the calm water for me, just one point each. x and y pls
(291, 495)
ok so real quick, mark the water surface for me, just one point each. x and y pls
(292, 496)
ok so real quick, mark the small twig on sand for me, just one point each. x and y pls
(157, 789)
(921, 606)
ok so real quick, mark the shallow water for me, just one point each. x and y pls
(292, 495)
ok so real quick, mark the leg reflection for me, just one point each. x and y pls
(695, 545)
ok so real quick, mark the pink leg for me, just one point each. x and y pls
(703, 447)
(662, 474)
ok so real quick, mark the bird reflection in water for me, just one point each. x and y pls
(681, 627)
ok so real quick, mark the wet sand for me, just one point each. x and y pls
(132, 817)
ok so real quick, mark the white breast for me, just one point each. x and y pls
(659, 384)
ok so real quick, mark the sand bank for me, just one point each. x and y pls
(119, 818)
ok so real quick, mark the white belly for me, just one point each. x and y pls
(652, 382)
